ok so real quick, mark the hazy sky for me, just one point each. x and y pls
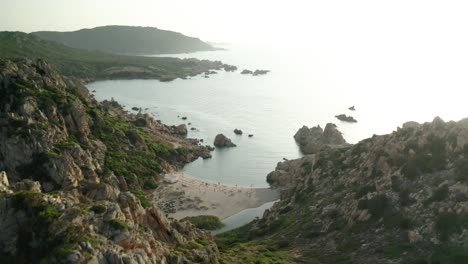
(259, 20)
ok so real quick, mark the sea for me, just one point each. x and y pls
(304, 87)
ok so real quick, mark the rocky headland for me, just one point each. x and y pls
(397, 198)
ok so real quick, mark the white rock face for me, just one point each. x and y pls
(4, 185)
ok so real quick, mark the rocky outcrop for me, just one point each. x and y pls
(346, 118)
(255, 73)
(180, 129)
(223, 141)
(238, 131)
(312, 140)
(352, 108)
(403, 193)
(229, 68)
(78, 176)
(260, 72)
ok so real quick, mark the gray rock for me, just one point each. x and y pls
(223, 141)
(312, 140)
(346, 118)
(180, 129)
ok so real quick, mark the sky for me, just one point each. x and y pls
(397, 22)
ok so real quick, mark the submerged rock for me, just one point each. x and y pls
(223, 141)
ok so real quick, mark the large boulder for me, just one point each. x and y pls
(223, 141)
(180, 130)
(312, 140)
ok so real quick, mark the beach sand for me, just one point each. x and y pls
(192, 197)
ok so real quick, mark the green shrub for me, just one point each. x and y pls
(307, 168)
(449, 223)
(140, 122)
(117, 224)
(140, 195)
(405, 198)
(207, 222)
(150, 184)
(428, 158)
(461, 169)
(99, 208)
(439, 194)
(377, 205)
(363, 190)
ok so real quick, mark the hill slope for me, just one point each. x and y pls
(397, 198)
(93, 65)
(76, 176)
(127, 40)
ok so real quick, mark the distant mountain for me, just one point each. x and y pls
(128, 40)
(93, 65)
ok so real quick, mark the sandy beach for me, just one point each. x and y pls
(191, 197)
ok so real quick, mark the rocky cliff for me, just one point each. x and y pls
(397, 198)
(76, 175)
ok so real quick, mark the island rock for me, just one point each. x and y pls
(260, 72)
(346, 118)
(223, 141)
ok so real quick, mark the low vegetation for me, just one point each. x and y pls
(207, 222)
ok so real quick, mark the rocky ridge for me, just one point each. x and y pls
(76, 174)
(397, 198)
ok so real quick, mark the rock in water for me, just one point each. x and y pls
(247, 72)
(352, 108)
(346, 118)
(237, 131)
(222, 141)
(260, 72)
(250, 135)
(229, 68)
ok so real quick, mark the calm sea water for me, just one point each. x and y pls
(303, 88)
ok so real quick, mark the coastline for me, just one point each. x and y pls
(191, 197)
